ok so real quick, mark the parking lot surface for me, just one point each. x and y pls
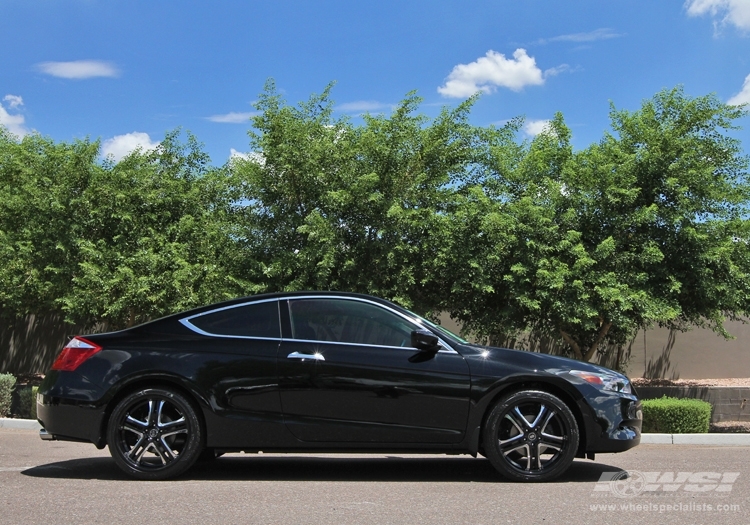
(59, 483)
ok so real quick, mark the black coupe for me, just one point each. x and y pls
(325, 371)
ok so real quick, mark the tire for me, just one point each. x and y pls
(530, 436)
(154, 434)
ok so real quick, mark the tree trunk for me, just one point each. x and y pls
(603, 331)
(575, 346)
(577, 352)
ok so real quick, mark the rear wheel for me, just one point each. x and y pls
(154, 434)
(530, 436)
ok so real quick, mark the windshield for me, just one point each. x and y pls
(441, 329)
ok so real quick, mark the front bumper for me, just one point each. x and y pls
(616, 423)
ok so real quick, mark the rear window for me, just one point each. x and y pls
(249, 320)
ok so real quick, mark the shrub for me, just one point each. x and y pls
(7, 382)
(676, 416)
(27, 398)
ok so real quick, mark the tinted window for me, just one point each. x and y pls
(343, 321)
(253, 320)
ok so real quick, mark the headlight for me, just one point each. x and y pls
(604, 381)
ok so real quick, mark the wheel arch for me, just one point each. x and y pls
(179, 384)
(533, 383)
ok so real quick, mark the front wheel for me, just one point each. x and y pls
(530, 436)
(154, 434)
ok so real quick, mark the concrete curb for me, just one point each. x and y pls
(716, 439)
(25, 424)
(657, 439)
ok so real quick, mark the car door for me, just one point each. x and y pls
(239, 349)
(348, 373)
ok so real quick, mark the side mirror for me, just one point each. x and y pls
(425, 340)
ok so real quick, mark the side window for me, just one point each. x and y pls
(250, 320)
(348, 321)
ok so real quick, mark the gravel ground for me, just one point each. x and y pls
(730, 381)
(730, 427)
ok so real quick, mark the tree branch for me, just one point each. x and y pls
(576, 348)
(603, 331)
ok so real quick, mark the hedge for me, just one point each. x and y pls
(676, 416)
(27, 398)
(7, 382)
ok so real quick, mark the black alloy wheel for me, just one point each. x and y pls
(154, 434)
(530, 436)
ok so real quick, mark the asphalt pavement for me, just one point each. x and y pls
(61, 482)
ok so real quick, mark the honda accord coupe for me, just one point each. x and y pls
(333, 372)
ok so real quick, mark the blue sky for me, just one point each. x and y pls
(128, 71)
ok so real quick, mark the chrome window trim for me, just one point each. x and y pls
(446, 348)
(407, 348)
(185, 321)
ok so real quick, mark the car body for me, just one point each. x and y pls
(327, 371)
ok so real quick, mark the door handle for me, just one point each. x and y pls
(297, 355)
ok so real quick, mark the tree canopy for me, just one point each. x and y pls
(649, 226)
(333, 205)
(111, 243)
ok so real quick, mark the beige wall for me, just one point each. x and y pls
(697, 354)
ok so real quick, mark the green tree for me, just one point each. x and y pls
(649, 226)
(154, 237)
(366, 208)
(114, 243)
(40, 183)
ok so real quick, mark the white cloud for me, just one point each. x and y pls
(562, 68)
(363, 105)
(253, 156)
(121, 145)
(234, 154)
(491, 71)
(13, 122)
(532, 128)
(232, 118)
(13, 101)
(743, 97)
(736, 12)
(79, 69)
(603, 33)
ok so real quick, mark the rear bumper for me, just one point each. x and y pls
(63, 420)
(46, 436)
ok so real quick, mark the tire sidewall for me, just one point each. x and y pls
(188, 455)
(492, 426)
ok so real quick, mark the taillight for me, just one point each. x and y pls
(75, 353)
